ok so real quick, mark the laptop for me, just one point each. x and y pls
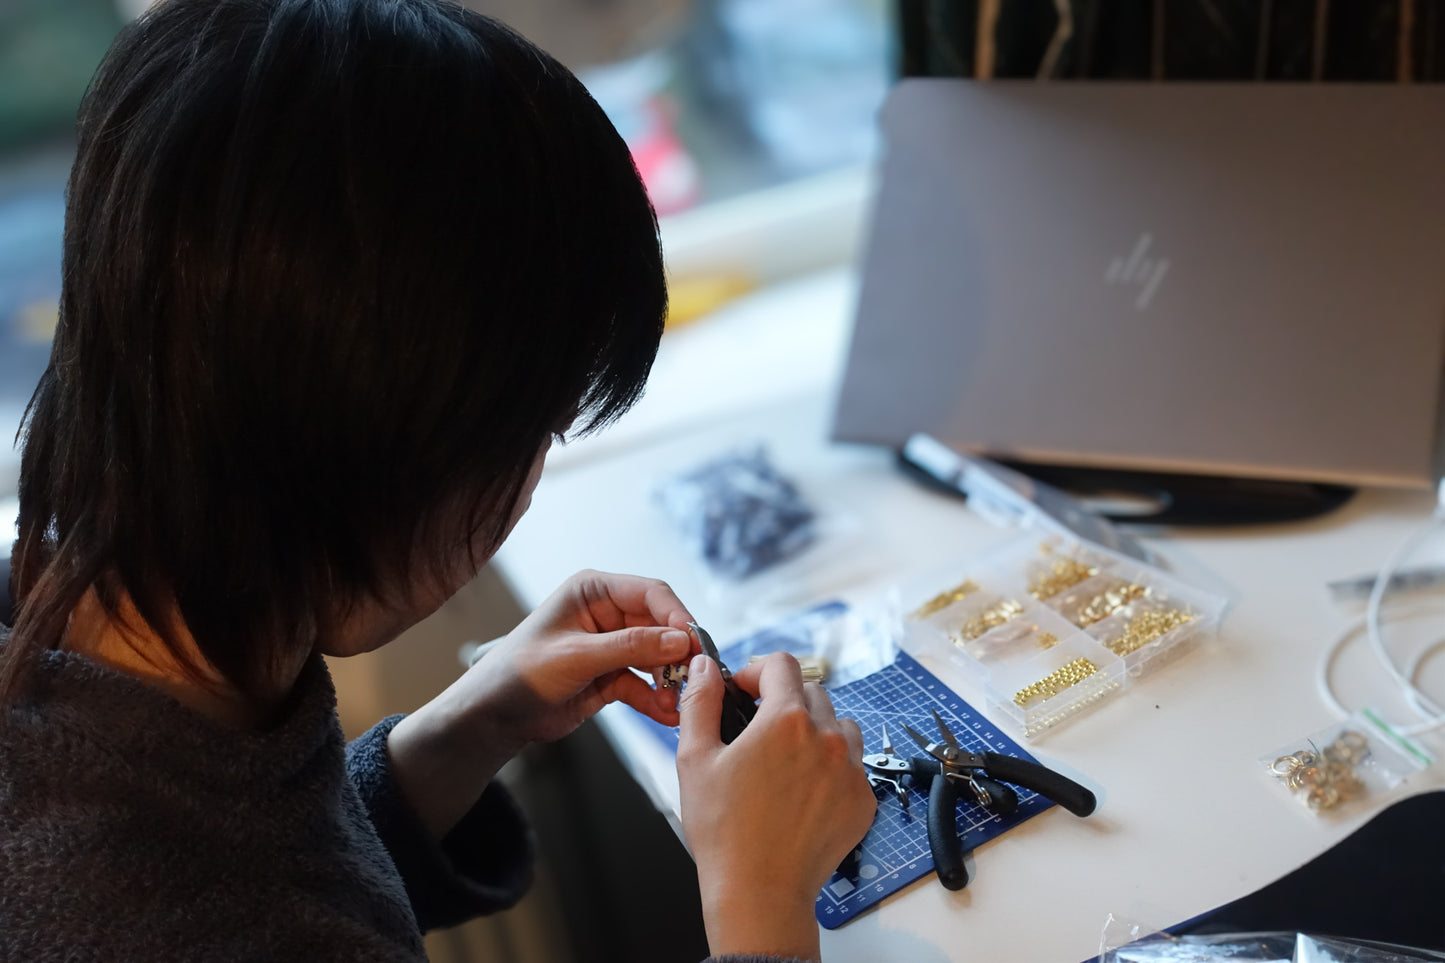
(1243, 280)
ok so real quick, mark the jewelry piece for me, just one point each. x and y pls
(1284, 765)
(1349, 748)
(944, 599)
(1062, 575)
(1047, 640)
(1350, 787)
(815, 667)
(1145, 628)
(1326, 778)
(1287, 764)
(990, 618)
(1352, 740)
(1057, 681)
(1108, 602)
(1320, 798)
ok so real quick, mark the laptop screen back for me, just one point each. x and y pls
(1224, 279)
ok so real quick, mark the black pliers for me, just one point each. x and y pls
(952, 771)
(887, 768)
(738, 707)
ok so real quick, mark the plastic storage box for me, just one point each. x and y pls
(1048, 627)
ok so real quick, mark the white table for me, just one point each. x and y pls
(1187, 819)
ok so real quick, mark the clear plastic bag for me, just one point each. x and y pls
(1345, 765)
(1262, 948)
(852, 643)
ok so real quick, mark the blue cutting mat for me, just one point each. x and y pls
(895, 851)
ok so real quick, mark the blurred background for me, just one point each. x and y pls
(717, 98)
(722, 101)
(752, 124)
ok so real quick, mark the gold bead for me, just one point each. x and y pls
(1056, 681)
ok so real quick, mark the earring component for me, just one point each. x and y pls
(946, 598)
(1327, 778)
(673, 676)
(1057, 681)
(1108, 602)
(990, 618)
(1062, 575)
(1145, 628)
(1349, 748)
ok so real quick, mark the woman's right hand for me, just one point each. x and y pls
(769, 817)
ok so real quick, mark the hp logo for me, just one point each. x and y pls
(1139, 269)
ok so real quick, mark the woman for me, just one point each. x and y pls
(336, 273)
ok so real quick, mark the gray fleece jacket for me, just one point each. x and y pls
(132, 828)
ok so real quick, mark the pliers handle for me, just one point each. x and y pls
(944, 842)
(1021, 772)
(944, 789)
(1042, 780)
(738, 707)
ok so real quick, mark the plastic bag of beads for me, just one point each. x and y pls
(1345, 765)
(739, 513)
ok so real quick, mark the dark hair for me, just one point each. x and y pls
(333, 271)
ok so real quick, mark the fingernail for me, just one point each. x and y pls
(675, 644)
(698, 666)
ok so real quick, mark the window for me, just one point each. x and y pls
(718, 99)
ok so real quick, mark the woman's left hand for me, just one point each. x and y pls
(551, 673)
(571, 657)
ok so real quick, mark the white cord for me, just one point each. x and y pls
(1322, 679)
(1432, 712)
(1418, 700)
